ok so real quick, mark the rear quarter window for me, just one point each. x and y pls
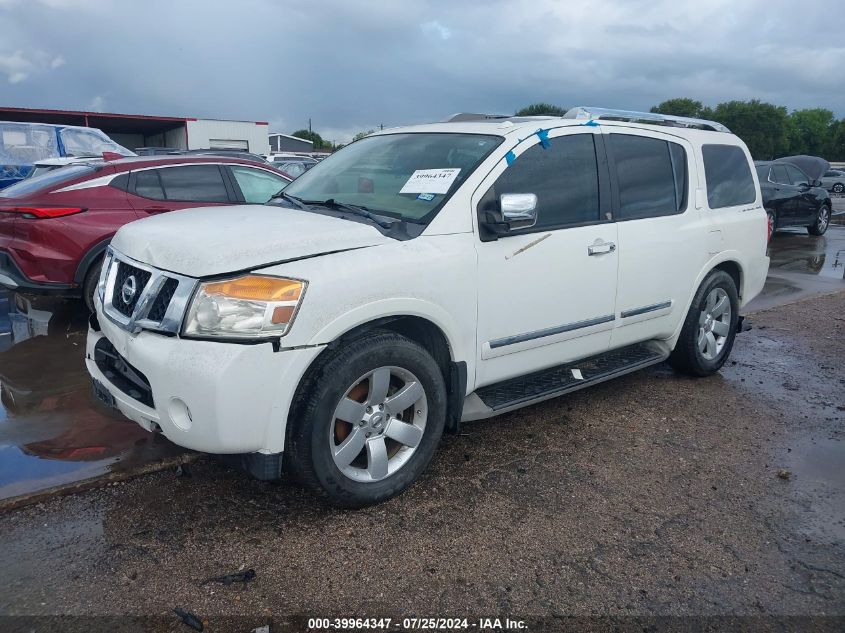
(728, 176)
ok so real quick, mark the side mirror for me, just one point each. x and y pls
(815, 183)
(514, 211)
(519, 210)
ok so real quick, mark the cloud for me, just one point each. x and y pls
(97, 104)
(437, 30)
(353, 66)
(18, 67)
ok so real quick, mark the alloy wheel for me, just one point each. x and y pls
(824, 218)
(714, 324)
(378, 424)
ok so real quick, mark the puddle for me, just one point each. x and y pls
(818, 472)
(796, 251)
(51, 429)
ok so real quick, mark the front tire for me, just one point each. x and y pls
(709, 330)
(839, 188)
(368, 420)
(89, 285)
(819, 227)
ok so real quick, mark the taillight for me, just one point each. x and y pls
(42, 212)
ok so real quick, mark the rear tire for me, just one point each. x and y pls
(839, 188)
(89, 286)
(346, 443)
(819, 227)
(772, 219)
(709, 330)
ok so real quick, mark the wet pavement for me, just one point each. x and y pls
(652, 496)
(53, 432)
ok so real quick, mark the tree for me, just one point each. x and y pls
(361, 135)
(837, 141)
(311, 136)
(764, 127)
(683, 106)
(812, 132)
(541, 109)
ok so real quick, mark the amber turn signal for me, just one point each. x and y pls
(258, 288)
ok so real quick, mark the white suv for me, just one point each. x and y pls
(425, 276)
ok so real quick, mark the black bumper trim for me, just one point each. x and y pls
(10, 269)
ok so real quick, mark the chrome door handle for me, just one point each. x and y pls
(600, 249)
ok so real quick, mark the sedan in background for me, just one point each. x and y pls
(54, 228)
(792, 193)
(293, 166)
(834, 180)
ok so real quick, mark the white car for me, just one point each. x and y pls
(425, 276)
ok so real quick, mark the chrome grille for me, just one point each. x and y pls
(139, 297)
(128, 287)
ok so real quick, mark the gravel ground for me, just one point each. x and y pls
(652, 495)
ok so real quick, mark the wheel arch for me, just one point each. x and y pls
(90, 257)
(726, 262)
(424, 331)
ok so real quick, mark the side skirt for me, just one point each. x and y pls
(522, 391)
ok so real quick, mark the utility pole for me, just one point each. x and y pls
(381, 126)
(309, 125)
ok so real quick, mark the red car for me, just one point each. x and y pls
(55, 228)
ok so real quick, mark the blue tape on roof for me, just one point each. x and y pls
(591, 123)
(543, 135)
(510, 157)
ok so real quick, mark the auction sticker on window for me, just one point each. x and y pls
(430, 180)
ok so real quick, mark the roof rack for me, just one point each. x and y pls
(586, 112)
(474, 116)
(464, 117)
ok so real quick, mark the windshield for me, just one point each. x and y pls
(46, 180)
(89, 142)
(762, 173)
(406, 176)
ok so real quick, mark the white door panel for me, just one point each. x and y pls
(547, 305)
(659, 257)
(543, 298)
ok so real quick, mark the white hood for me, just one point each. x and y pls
(217, 240)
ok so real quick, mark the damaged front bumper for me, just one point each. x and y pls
(209, 396)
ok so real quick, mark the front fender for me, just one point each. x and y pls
(406, 306)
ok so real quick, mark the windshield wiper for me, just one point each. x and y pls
(297, 202)
(355, 209)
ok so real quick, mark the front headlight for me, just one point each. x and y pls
(104, 273)
(248, 307)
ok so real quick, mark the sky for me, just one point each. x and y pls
(353, 65)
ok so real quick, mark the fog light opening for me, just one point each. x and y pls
(180, 414)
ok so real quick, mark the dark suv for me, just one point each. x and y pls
(55, 228)
(792, 198)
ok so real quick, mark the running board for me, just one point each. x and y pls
(549, 383)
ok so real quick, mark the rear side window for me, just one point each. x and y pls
(651, 175)
(195, 183)
(779, 175)
(729, 180)
(148, 185)
(797, 176)
(564, 177)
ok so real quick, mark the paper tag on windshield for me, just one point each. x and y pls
(430, 180)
